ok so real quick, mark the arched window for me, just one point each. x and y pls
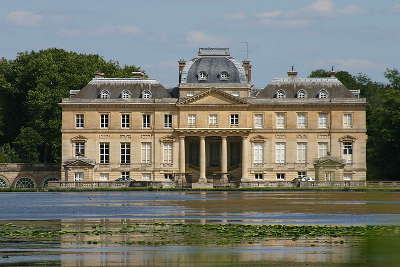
(223, 76)
(146, 94)
(280, 94)
(3, 182)
(125, 94)
(25, 182)
(50, 179)
(323, 94)
(104, 94)
(202, 76)
(301, 94)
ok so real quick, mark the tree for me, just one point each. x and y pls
(393, 76)
(27, 145)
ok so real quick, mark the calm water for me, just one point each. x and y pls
(75, 209)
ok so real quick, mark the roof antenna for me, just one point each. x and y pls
(247, 49)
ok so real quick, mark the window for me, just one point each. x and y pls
(125, 175)
(212, 119)
(280, 153)
(125, 121)
(301, 152)
(146, 94)
(146, 176)
(323, 121)
(125, 94)
(104, 176)
(323, 94)
(146, 153)
(79, 149)
(280, 176)
(348, 152)
(125, 153)
(301, 174)
(258, 153)
(301, 94)
(192, 119)
(104, 153)
(167, 121)
(202, 76)
(223, 76)
(104, 120)
(301, 120)
(168, 176)
(347, 121)
(347, 176)
(146, 121)
(280, 94)
(258, 121)
(322, 149)
(167, 155)
(258, 176)
(189, 94)
(280, 120)
(79, 121)
(234, 119)
(78, 176)
(104, 94)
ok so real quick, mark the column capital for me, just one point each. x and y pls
(202, 137)
(245, 136)
(224, 136)
(182, 137)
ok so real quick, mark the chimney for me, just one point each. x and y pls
(247, 69)
(332, 73)
(99, 75)
(138, 75)
(292, 73)
(181, 64)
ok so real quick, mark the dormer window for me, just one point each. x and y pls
(125, 94)
(146, 94)
(323, 94)
(203, 76)
(104, 94)
(280, 94)
(223, 76)
(301, 94)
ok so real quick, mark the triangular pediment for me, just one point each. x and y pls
(213, 97)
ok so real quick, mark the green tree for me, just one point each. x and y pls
(8, 154)
(27, 145)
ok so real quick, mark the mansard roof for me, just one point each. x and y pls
(233, 100)
(115, 87)
(312, 86)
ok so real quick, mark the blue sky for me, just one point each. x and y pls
(353, 35)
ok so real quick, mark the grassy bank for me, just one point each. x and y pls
(364, 189)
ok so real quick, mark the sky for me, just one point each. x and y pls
(359, 36)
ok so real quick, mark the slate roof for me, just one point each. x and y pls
(311, 86)
(115, 86)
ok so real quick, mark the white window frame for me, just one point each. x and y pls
(258, 153)
(125, 153)
(234, 119)
(125, 94)
(79, 176)
(146, 94)
(212, 119)
(125, 121)
(146, 176)
(301, 120)
(280, 120)
(280, 94)
(168, 120)
(104, 152)
(192, 119)
(323, 94)
(125, 175)
(258, 121)
(79, 121)
(146, 152)
(259, 176)
(347, 176)
(301, 174)
(202, 76)
(168, 153)
(280, 176)
(104, 120)
(104, 176)
(348, 151)
(280, 153)
(79, 149)
(323, 149)
(347, 120)
(146, 121)
(323, 120)
(224, 76)
(168, 176)
(301, 94)
(301, 152)
(105, 94)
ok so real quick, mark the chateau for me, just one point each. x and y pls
(214, 128)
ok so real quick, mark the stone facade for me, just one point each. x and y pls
(23, 175)
(213, 132)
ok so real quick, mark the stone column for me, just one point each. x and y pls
(244, 158)
(203, 178)
(182, 161)
(224, 158)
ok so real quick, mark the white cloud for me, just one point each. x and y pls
(321, 7)
(24, 18)
(197, 38)
(270, 14)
